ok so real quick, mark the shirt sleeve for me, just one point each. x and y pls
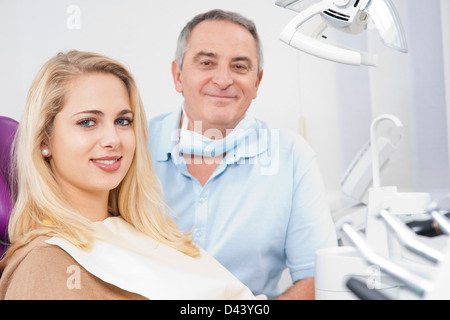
(311, 226)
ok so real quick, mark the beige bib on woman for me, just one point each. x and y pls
(132, 261)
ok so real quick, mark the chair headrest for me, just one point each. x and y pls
(8, 128)
(5, 209)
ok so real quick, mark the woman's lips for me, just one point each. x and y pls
(108, 164)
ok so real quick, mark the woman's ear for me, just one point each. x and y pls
(45, 150)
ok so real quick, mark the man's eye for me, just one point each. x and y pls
(206, 63)
(241, 67)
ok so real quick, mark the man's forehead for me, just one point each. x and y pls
(209, 30)
(215, 37)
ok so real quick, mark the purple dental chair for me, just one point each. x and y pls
(8, 128)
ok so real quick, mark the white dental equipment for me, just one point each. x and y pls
(442, 222)
(350, 16)
(417, 283)
(399, 203)
(357, 179)
(426, 285)
(407, 238)
(386, 237)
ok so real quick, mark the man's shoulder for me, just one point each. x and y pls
(162, 132)
(159, 119)
(284, 138)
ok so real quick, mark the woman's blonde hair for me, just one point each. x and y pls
(40, 206)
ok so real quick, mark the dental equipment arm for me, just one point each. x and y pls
(427, 228)
(419, 285)
(407, 238)
(442, 221)
(360, 289)
(351, 16)
(439, 222)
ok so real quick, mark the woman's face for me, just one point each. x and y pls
(92, 144)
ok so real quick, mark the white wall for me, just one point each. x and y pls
(331, 104)
(142, 34)
(445, 10)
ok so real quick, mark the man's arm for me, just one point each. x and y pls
(301, 290)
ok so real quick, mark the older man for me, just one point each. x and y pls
(253, 196)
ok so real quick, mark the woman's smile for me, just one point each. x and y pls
(108, 164)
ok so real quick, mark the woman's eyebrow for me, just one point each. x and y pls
(126, 111)
(98, 112)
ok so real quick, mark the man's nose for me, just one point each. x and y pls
(223, 77)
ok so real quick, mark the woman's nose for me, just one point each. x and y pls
(110, 138)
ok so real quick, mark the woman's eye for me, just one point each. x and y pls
(124, 122)
(86, 123)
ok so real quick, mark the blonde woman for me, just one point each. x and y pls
(89, 221)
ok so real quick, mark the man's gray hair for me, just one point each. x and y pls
(217, 15)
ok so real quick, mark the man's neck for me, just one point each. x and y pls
(201, 168)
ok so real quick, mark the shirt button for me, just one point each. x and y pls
(202, 200)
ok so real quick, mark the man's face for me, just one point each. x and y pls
(219, 78)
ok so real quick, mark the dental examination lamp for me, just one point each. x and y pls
(350, 16)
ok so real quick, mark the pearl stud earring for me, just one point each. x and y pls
(45, 152)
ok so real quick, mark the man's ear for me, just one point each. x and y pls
(176, 74)
(258, 82)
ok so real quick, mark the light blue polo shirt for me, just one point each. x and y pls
(262, 210)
